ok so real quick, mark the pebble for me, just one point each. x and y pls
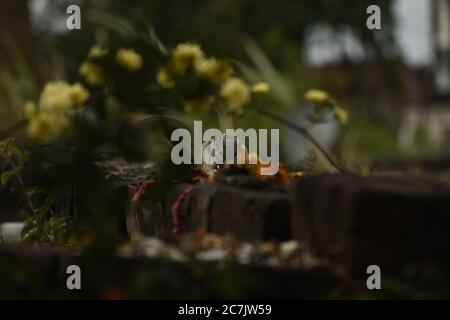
(245, 253)
(152, 247)
(288, 248)
(10, 232)
(267, 248)
(212, 247)
(212, 255)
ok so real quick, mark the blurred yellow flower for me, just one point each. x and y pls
(186, 54)
(164, 80)
(260, 88)
(236, 92)
(57, 104)
(317, 96)
(78, 93)
(46, 127)
(93, 74)
(341, 115)
(207, 67)
(97, 52)
(213, 69)
(56, 97)
(62, 97)
(129, 59)
(30, 110)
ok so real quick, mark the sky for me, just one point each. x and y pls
(414, 30)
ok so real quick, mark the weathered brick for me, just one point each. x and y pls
(248, 213)
(384, 220)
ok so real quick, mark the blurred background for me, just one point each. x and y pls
(394, 82)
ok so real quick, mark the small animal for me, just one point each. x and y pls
(215, 153)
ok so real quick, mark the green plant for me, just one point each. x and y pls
(16, 160)
(42, 225)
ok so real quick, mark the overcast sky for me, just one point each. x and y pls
(414, 32)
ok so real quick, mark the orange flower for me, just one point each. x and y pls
(112, 292)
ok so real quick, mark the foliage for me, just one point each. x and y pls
(42, 225)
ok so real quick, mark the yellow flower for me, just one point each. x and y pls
(56, 97)
(236, 92)
(97, 52)
(46, 127)
(164, 79)
(60, 97)
(78, 93)
(317, 96)
(213, 69)
(197, 106)
(31, 110)
(184, 55)
(206, 67)
(341, 115)
(92, 73)
(261, 88)
(56, 106)
(129, 59)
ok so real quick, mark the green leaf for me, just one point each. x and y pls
(31, 235)
(280, 87)
(23, 159)
(15, 151)
(31, 191)
(28, 226)
(6, 176)
(42, 211)
(6, 142)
